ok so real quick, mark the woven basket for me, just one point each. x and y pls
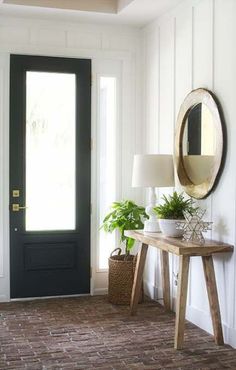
(121, 277)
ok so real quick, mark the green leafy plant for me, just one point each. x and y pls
(174, 206)
(124, 215)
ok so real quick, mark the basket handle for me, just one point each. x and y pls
(116, 249)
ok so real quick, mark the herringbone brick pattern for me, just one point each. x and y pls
(90, 333)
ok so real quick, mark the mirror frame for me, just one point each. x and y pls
(192, 99)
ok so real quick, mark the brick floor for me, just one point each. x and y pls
(89, 333)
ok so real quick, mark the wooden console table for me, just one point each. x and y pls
(184, 251)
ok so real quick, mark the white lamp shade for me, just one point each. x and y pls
(153, 170)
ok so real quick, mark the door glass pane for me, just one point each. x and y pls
(50, 151)
(107, 162)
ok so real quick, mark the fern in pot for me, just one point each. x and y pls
(124, 215)
(171, 211)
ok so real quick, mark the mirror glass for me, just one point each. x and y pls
(199, 143)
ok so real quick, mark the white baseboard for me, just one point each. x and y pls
(230, 336)
(4, 298)
(202, 319)
(152, 291)
(198, 317)
(100, 291)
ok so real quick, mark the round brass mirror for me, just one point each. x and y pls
(199, 143)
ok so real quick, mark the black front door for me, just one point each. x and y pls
(50, 124)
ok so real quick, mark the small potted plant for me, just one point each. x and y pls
(124, 215)
(171, 211)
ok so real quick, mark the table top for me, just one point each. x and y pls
(177, 246)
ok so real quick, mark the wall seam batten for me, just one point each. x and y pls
(173, 258)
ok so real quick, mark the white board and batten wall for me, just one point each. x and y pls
(115, 51)
(191, 46)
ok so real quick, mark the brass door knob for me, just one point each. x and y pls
(16, 207)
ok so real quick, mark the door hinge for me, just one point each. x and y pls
(91, 271)
(91, 144)
(91, 208)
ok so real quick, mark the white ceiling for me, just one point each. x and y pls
(130, 12)
(142, 12)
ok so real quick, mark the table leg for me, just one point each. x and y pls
(181, 301)
(138, 278)
(209, 272)
(165, 278)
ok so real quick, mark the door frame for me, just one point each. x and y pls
(5, 168)
(98, 278)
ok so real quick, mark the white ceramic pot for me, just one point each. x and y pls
(168, 228)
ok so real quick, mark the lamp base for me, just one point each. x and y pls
(151, 226)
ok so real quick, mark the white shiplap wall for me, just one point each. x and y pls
(108, 47)
(193, 45)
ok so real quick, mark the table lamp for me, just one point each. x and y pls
(152, 170)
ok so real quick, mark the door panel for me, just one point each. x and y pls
(50, 130)
(46, 256)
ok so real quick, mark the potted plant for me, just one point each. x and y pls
(124, 215)
(171, 211)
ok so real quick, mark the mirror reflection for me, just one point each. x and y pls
(199, 144)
